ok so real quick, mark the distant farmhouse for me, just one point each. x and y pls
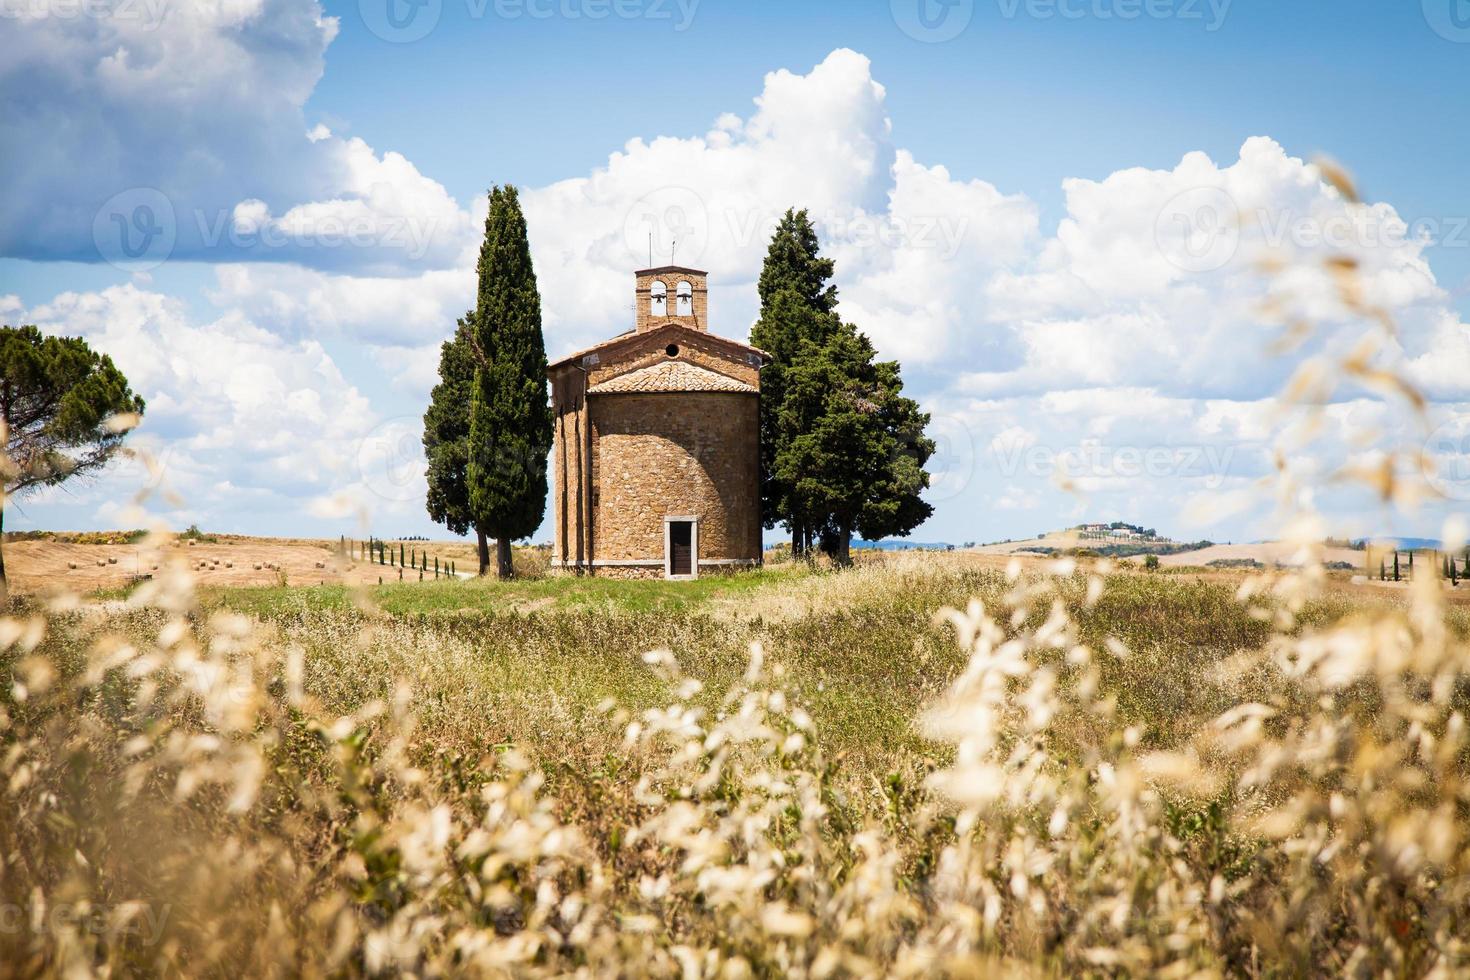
(1116, 531)
(657, 442)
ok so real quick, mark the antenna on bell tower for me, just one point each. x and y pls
(673, 251)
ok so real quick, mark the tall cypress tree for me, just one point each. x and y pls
(793, 262)
(853, 448)
(447, 432)
(798, 304)
(510, 415)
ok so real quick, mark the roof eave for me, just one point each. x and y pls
(633, 335)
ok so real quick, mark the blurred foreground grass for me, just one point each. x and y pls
(486, 777)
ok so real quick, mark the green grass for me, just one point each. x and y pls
(469, 597)
(527, 661)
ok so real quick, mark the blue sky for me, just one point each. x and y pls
(286, 374)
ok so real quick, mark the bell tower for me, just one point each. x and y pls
(671, 294)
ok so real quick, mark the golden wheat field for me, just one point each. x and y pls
(927, 765)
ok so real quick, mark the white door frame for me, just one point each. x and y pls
(693, 547)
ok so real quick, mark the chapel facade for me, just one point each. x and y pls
(657, 450)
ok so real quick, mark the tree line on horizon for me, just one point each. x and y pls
(842, 449)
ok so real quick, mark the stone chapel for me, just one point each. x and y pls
(657, 451)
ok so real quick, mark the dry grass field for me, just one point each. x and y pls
(225, 560)
(790, 771)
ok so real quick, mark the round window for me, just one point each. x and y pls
(672, 350)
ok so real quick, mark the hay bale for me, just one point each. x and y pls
(112, 561)
(71, 564)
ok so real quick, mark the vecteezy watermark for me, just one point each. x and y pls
(953, 464)
(1201, 229)
(1091, 459)
(390, 460)
(1211, 13)
(1447, 458)
(139, 920)
(932, 21)
(139, 229)
(1198, 230)
(145, 14)
(673, 225)
(1450, 19)
(135, 230)
(1359, 228)
(667, 226)
(405, 21)
(249, 226)
(400, 21)
(942, 233)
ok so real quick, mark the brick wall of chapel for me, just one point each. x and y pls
(569, 489)
(675, 454)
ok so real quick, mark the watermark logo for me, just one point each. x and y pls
(1093, 460)
(1211, 13)
(1199, 229)
(144, 14)
(1450, 19)
(932, 21)
(390, 460)
(135, 230)
(1447, 458)
(401, 21)
(249, 226)
(140, 921)
(405, 21)
(953, 464)
(942, 233)
(680, 13)
(667, 226)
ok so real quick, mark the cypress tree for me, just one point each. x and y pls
(842, 450)
(792, 263)
(853, 448)
(447, 431)
(510, 414)
(798, 304)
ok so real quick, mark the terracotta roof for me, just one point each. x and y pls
(669, 376)
(633, 336)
